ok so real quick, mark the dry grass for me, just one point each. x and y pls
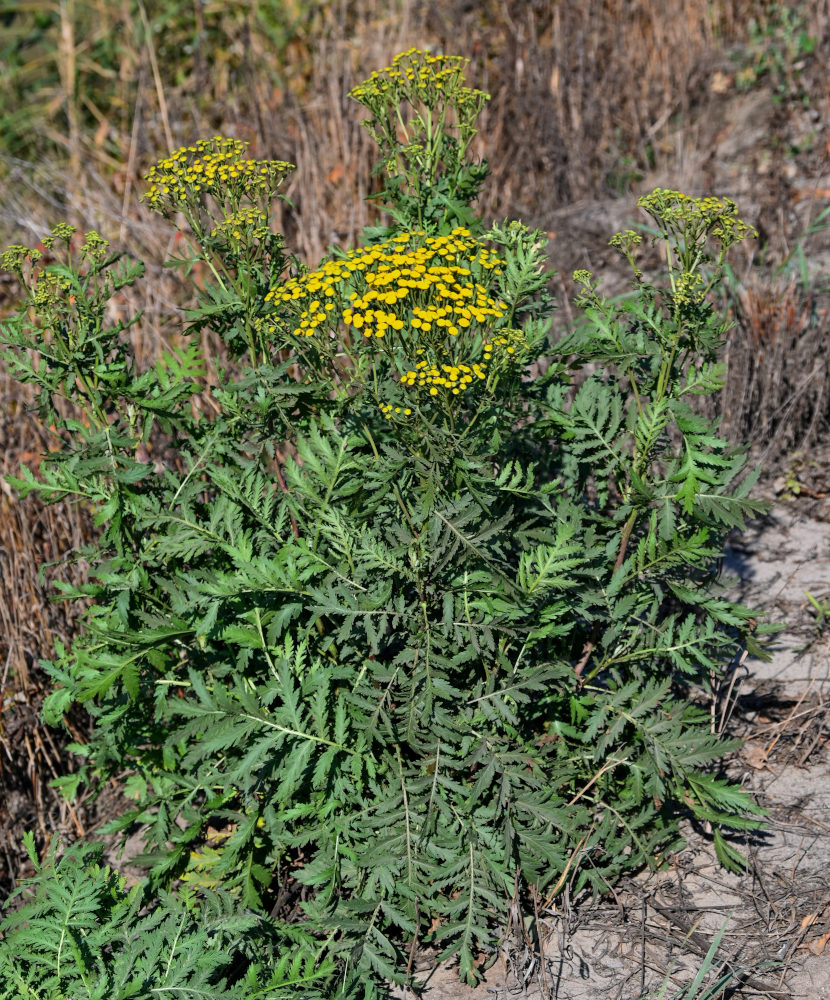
(777, 392)
(31, 754)
(581, 93)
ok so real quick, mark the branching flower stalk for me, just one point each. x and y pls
(226, 201)
(423, 119)
(686, 227)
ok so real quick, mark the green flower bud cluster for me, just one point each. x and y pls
(49, 290)
(15, 256)
(626, 242)
(700, 217)
(689, 288)
(423, 118)
(94, 247)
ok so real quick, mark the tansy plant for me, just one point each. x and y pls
(403, 635)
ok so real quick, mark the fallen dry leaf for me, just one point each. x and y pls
(755, 755)
(817, 947)
(720, 83)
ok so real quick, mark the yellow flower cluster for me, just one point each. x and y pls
(508, 341)
(456, 378)
(418, 76)
(213, 166)
(246, 222)
(418, 298)
(387, 409)
(415, 66)
(426, 283)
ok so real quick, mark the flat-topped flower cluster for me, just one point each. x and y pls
(215, 167)
(418, 77)
(247, 221)
(428, 298)
(431, 284)
(456, 378)
(717, 217)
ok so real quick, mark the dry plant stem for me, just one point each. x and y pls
(79, 827)
(543, 981)
(563, 877)
(131, 159)
(68, 72)
(793, 714)
(34, 775)
(151, 52)
(5, 675)
(728, 701)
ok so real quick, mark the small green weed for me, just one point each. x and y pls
(792, 481)
(821, 610)
(722, 985)
(797, 476)
(779, 45)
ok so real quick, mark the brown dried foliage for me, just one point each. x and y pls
(31, 622)
(777, 370)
